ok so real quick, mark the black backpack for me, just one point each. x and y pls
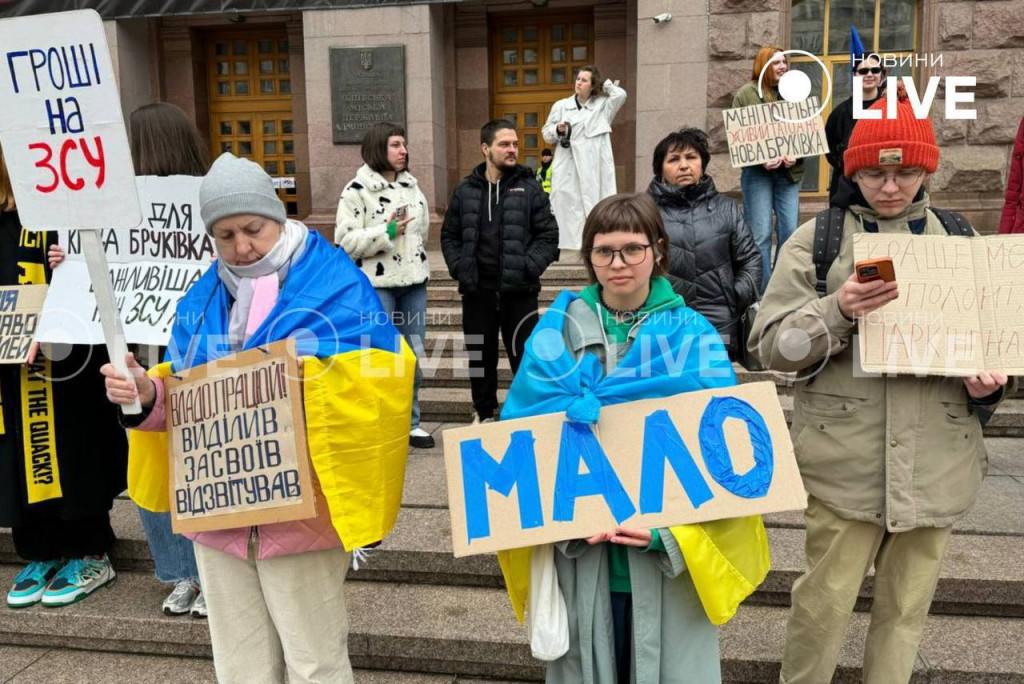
(828, 238)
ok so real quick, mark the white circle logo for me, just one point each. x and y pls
(795, 86)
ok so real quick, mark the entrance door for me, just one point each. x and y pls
(534, 61)
(251, 104)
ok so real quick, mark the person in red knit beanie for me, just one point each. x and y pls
(890, 462)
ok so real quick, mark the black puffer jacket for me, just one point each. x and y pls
(713, 260)
(529, 234)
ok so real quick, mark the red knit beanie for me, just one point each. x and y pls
(905, 140)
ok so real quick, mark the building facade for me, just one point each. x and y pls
(257, 78)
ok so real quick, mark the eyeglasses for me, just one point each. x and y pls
(632, 254)
(876, 179)
(869, 70)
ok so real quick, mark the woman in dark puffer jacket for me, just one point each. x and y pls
(714, 262)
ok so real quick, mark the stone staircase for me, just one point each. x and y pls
(420, 616)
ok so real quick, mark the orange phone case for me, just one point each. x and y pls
(875, 269)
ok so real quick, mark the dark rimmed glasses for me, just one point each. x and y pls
(904, 178)
(631, 255)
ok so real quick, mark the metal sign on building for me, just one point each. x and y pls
(367, 87)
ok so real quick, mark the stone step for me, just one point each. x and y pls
(453, 371)
(449, 404)
(448, 295)
(981, 575)
(453, 404)
(471, 631)
(557, 275)
(43, 665)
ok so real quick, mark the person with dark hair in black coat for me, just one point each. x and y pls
(840, 123)
(497, 238)
(714, 262)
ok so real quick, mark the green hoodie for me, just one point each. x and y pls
(661, 298)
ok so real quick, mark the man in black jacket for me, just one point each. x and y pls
(498, 237)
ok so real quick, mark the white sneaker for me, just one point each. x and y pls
(420, 439)
(477, 421)
(180, 601)
(199, 607)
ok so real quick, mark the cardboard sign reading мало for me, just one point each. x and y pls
(19, 317)
(238, 442)
(61, 126)
(760, 133)
(151, 267)
(960, 308)
(699, 456)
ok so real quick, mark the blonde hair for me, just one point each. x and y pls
(6, 191)
(764, 55)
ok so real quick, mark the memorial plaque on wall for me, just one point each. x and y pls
(367, 86)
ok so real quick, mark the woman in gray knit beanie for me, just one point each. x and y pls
(275, 592)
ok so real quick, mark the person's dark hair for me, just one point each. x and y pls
(680, 140)
(632, 213)
(595, 79)
(855, 64)
(165, 143)
(546, 153)
(375, 145)
(491, 128)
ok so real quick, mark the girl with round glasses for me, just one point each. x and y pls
(639, 608)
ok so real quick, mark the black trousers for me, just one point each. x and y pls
(622, 629)
(42, 538)
(485, 313)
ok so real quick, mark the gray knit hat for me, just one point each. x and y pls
(235, 186)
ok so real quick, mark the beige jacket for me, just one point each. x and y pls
(898, 451)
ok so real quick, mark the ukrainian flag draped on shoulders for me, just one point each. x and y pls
(357, 386)
(726, 559)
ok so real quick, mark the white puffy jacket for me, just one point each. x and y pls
(361, 228)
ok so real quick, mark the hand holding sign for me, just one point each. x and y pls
(984, 384)
(127, 389)
(65, 142)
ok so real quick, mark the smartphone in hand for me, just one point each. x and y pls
(402, 212)
(875, 269)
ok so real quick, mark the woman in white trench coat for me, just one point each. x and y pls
(583, 172)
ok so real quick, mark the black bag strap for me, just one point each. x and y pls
(828, 238)
(953, 223)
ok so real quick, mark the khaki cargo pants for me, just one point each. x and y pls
(839, 554)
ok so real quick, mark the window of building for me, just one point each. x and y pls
(822, 27)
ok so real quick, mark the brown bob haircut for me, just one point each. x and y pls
(764, 55)
(630, 213)
(375, 146)
(6, 191)
(595, 79)
(165, 143)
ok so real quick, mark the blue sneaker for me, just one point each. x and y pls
(30, 583)
(77, 579)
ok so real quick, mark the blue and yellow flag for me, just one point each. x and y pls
(726, 559)
(357, 386)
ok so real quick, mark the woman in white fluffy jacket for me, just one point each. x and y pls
(382, 223)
